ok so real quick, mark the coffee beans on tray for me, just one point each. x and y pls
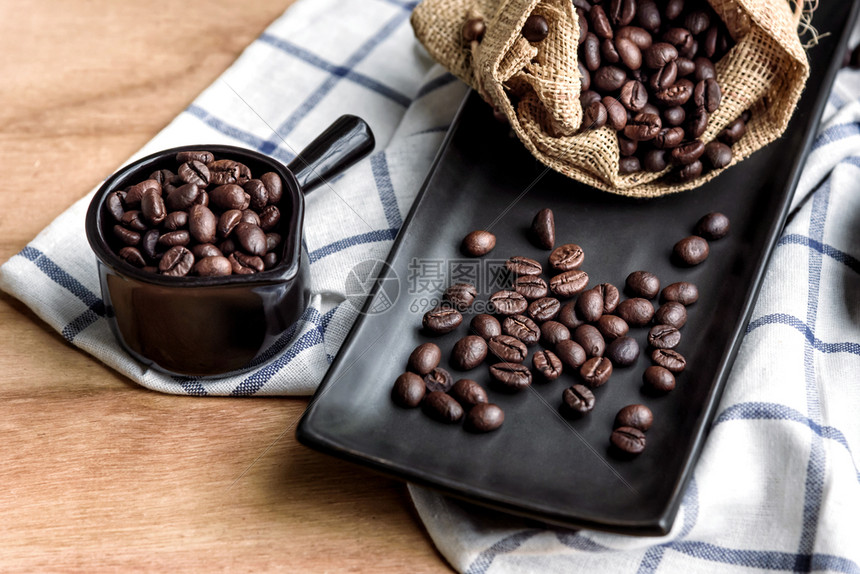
(207, 217)
(578, 334)
(647, 72)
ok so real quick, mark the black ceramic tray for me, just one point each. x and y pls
(538, 464)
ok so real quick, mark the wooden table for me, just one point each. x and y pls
(99, 473)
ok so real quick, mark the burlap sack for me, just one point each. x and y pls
(764, 72)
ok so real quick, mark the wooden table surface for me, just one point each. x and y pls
(99, 473)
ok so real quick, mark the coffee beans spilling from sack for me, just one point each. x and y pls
(209, 218)
(648, 72)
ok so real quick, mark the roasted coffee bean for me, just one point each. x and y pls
(274, 186)
(469, 352)
(544, 309)
(273, 240)
(612, 327)
(691, 250)
(697, 22)
(705, 69)
(511, 376)
(202, 198)
(507, 349)
(678, 37)
(676, 95)
(250, 216)
(473, 30)
(468, 393)
(707, 94)
(229, 196)
(594, 116)
(713, 226)
(152, 207)
(203, 157)
(176, 261)
(608, 53)
(628, 165)
(194, 172)
(522, 328)
(687, 153)
(637, 416)
(113, 205)
(659, 54)
(173, 238)
(485, 417)
(634, 96)
(245, 264)
(553, 332)
(175, 220)
(621, 12)
(664, 337)
(250, 237)
(424, 358)
(610, 295)
(643, 284)
(584, 81)
(569, 316)
(637, 312)
(616, 113)
(658, 380)
(643, 127)
(623, 351)
(478, 243)
(531, 287)
(134, 220)
(590, 339)
(628, 441)
(627, 147)
(664, 77)
(270, 217)
(571, 353)
(227, 171)
(591, 52)
(668, 138)
(690, 171)
(409, 390)
(577, 400)
(132, 256)
(674, 116)
(508, 302)
(639, 36)
(733, 132)
(536, 28)
(257, 191)
(648, 15)
(673, 9)
(608, 78)
(686, 67)
(718, 154)
(442, 407)
(441, 320)
(228, 246)
(228, 222)
(485, 326)
(270, 259)
(669, 359)
(461, 295)
(134, 194)
(438, 380)
(164, 177)
(697, 123)
(655, 160)
(149, 245)
(671, 313)
(596, 371)
(629, 53)
(202, 224)
(523, 266)
(600, 22)
(567, 257)
(547, 365)
(569, 283)
(543, 229)
(588, 96)
(590, 305)
(215, 266)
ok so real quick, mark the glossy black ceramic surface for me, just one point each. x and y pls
(539, 464)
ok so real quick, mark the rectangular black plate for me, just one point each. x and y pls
(538, 464)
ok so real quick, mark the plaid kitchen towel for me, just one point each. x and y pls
(777, 487)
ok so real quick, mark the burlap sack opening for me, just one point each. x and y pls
(764, 72)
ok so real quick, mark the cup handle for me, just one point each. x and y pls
(342, 144)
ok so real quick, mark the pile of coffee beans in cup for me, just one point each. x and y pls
(564, 325)
(209, 217)
(647, 71)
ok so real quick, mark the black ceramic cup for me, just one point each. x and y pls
(216, 326)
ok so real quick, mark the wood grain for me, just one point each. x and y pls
(100, 474)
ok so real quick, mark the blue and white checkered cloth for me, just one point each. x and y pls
(777, 487)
